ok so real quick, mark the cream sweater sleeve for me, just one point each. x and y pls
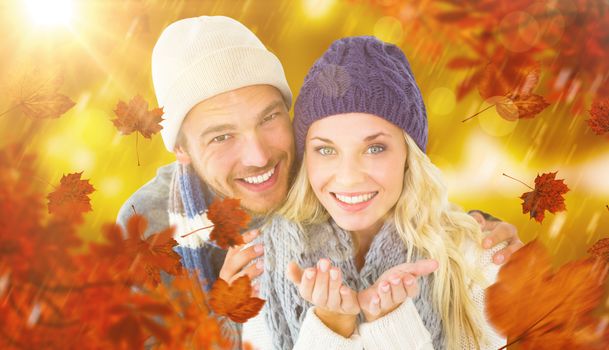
(404, 329)
(314, 334)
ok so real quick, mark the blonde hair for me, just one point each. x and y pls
(427, 221)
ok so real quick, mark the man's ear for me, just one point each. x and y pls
(181, 155)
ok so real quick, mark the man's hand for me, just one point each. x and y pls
(393, 287)
(237, 259)
(335, 304)
(499, 232)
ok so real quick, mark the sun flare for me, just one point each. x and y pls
(50, 12)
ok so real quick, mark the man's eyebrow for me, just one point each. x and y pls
(218, 128)
(270, 108)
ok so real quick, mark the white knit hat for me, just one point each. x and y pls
(197, 58)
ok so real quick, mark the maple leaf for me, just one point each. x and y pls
(135, 116)
(228, 219)
(507, 84)
(533, 306)
(71, 199)
(600, 249)
(151, 255)
(599, 113)
(547, 195)
(133, 318)
(37, 95)
(235, 301)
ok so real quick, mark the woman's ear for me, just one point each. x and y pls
(181, 155)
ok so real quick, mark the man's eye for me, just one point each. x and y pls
(270, 117)
(220, 138)
(375, 149)
(325, 151)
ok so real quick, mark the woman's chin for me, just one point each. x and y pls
(353, 225)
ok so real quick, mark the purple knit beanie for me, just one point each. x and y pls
(361, 75)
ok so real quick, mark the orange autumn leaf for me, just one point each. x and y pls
(150, 255)
(600, 249)
(71, 199)
(228, 219)
(192, 323)
(135, 116)
(599, 116)
(547, 195)
(37, 95)
(538, 308)
(135, 319)
(235, 301)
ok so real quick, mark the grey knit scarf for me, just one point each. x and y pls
(284, 241)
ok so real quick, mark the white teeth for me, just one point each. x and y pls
(260, 178)
(355, 199)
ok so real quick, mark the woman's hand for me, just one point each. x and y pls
(336, 305)
(500, 232)
(393, 287)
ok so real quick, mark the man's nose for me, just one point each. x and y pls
(255, 152)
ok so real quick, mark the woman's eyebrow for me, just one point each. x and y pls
(373, 136)
(321, 139)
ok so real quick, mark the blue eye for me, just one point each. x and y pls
(375, 149)
(325, 151)
(221, 138)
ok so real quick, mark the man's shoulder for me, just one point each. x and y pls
(151, 201)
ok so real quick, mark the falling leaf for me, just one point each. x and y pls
(599, 116)
(151, 255)
(135, 116)
(228, 219)
(138, 259)
(537, 308)
(600, 249)
(71, 199)
(235, 301)
(509, 84)
(135, 316)
(547, 195)
(37, 96)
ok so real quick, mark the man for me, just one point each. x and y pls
(226, 101)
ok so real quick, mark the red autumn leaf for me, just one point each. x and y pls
(538, 308)
(235, 301)
(37, 96)
(599, 116)
(547, 195)
(463, 62)
(228, 219)
(135, 116)
(508, 86)
(600, 249)
(71, 199)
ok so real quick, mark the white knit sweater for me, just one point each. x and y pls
(400, 329)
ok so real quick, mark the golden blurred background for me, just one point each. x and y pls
(103, 49)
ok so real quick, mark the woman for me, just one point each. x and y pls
(390, 262)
